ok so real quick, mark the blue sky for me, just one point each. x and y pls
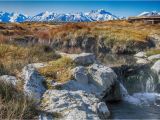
(119, 8)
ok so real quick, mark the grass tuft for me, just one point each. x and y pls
(58, 70)
(14, 104)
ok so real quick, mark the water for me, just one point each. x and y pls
(140, 100)
(125, 110)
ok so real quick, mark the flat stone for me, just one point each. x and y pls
(73, 105)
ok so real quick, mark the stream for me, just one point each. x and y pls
(140, 99)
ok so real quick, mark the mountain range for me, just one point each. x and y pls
(94, 15)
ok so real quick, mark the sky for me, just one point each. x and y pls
(120, 8)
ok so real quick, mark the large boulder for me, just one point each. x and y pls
(9, 79)
(33, 81)
(73, 105)
(80, 74)
(81, 59)
(102, 76)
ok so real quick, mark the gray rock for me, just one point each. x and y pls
(101, 76)
(154, 57)
(103, 111)
(81, 59)
(33, 81)
(140, 55)
(80, 74)
(114, 94)
(73, 105)
(142, 61)
(156, 68)
(9, 79)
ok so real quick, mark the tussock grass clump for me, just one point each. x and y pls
(14, 57)
(14, 104)
(59, 70)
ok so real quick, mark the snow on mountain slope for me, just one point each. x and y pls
(145, 14)
(101, 15)
(96, 15)
(44, 16)
(77, 17)
(12, 17)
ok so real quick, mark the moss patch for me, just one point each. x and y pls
(153, 52)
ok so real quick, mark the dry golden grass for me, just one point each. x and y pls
(58, 70)
(120, 30)
(14, 104)
(14, 57)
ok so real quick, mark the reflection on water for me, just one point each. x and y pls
(114, 59)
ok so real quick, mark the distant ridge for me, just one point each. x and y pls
(149, 14)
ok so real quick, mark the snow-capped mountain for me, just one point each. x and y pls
(44, 16)
(12, 17)
(97, 15)
(94, 15)
(100, 15)
(147, 14)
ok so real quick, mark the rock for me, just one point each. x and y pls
(80, 74)
(101, 76)
(81, 59)
(140, 55)
(114, 94)
(142, 61)
(74, 86)
(156, 68)
(45, 116)
(157, 89)
(9, 79)
(73, 105)
(33, 81)
(103, 111)
(154, 57)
